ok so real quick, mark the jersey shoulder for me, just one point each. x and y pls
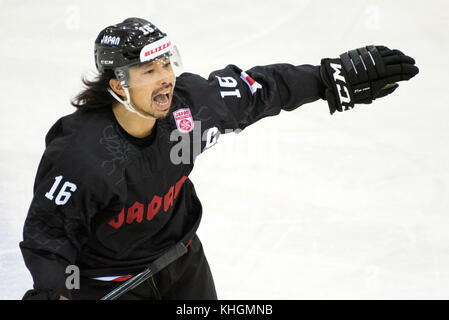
(194, 89)
(86, 144)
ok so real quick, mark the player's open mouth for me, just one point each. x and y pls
(162, 101)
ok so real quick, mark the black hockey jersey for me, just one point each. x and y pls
(111, 203)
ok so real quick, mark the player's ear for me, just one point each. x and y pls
(117, 87)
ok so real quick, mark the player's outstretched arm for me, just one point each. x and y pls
(363, 75)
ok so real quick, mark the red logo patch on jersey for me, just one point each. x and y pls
(184, 120)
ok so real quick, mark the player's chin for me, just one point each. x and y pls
(160, 113)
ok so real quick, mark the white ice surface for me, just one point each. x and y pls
(300, 206)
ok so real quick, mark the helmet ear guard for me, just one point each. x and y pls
(122, 75)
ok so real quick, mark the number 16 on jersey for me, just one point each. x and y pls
(64, 193)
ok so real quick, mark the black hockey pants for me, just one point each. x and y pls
(187, 278)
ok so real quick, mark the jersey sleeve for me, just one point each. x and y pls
(56, 226)
(237, 98)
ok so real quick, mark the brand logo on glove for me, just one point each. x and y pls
(342, 87)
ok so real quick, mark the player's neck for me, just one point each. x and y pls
(132, 123)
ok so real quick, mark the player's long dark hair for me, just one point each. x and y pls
(95, 94)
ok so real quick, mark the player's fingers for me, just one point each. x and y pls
(391, 60)
(394, 59)
(409, 71)
(407, 59)
(395, 77)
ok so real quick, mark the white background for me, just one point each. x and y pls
(304, 205)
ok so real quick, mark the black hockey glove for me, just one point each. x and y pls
(363, 75)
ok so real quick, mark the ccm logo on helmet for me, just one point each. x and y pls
(155, 49)
(106, 62)
(113, 41)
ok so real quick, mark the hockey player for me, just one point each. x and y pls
(112, 192)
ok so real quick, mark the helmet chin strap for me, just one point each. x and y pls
(127, 103)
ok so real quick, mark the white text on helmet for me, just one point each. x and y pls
(146, 29)
(114, 41)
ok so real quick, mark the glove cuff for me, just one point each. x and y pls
(339, 94)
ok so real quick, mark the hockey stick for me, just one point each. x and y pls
(171, 255)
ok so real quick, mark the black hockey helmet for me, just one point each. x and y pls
(132, 42)
(122, 44)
